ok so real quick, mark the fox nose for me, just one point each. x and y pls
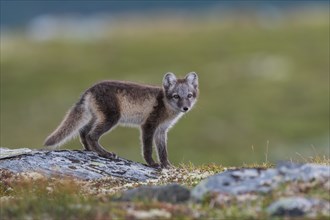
(185, 109)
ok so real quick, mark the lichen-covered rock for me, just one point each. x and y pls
(303, 172)
(73, 163)
(241, 181)
(299, 206)
(173, 193)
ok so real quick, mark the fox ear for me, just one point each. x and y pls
(192, 78)
(169, 80)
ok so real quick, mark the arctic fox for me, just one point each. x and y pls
(109, 103)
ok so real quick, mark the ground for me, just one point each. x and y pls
(32, 196)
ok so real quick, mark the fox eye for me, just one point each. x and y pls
(176, 96)
(189, 95)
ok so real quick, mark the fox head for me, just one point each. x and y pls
(181, 94)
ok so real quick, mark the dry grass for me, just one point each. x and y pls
(30, 195)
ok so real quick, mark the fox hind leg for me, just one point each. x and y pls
(105, 110)
(94, 135)
(83, 134)
(106, 116)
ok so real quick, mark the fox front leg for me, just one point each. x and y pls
(147, 133)
(160, 140)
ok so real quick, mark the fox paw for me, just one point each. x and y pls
(166, 165)
(155, 165)
(109, 155)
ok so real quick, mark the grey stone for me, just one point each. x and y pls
(258, 180)
(235, 182)
(302, 172)
(172, 193)
(73, 163)
(297, 206)
(6, 152)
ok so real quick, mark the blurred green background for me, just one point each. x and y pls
(264, 80)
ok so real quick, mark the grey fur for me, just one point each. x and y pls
(154, 109)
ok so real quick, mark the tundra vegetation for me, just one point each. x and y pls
(263, 83)
(264, 97)
(32, 195)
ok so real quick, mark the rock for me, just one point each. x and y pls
(149, 214)
(83, 165)
(241, 181)
(173, 193)
(302, 172)
(298, 206)
(236, 182)
(5, 152)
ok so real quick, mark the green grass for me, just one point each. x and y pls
(261, 87)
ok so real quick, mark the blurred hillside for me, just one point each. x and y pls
(264, 79)
(18, 13)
